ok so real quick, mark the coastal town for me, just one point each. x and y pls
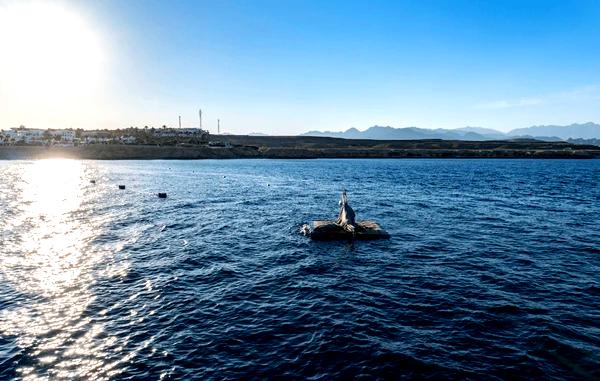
(23, 136)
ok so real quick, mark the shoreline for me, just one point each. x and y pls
(301, 147)
(186, 153)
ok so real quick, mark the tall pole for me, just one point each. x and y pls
(218, 126)
(179, 121)
(200, 117)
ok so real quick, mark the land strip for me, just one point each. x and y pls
(303, 147)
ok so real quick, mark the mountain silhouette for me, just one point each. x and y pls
(573, 131)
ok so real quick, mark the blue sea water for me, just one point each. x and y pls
(492, 271)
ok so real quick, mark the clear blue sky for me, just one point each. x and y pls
(285, 67)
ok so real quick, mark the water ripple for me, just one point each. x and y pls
(491, 272)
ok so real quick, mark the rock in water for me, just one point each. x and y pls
(346, 227)
(331, 230)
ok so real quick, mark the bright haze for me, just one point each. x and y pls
(287, 67)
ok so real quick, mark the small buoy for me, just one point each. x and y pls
(121, 186)
(93, 181)
(162, 195)
(268, 184)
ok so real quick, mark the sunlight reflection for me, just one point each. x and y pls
(46, 259)
(52, 191)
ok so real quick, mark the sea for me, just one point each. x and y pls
(492, 271)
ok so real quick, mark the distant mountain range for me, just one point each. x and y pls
(547, 133)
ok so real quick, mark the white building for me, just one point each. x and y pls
(36, 135)
(64, 135)
(127, 140)
(25, 135)
(96, 140)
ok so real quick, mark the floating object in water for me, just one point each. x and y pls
(162, 195)
(345, 227)
(92, 181)
(121, 186)
(305, 230)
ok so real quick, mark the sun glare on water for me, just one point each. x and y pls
(49, 52)
(46, 256)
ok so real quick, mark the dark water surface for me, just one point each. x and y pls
(492, 271)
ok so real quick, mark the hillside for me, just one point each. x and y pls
(548, 133)
(573, 131)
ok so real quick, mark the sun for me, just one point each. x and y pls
(49, 52)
